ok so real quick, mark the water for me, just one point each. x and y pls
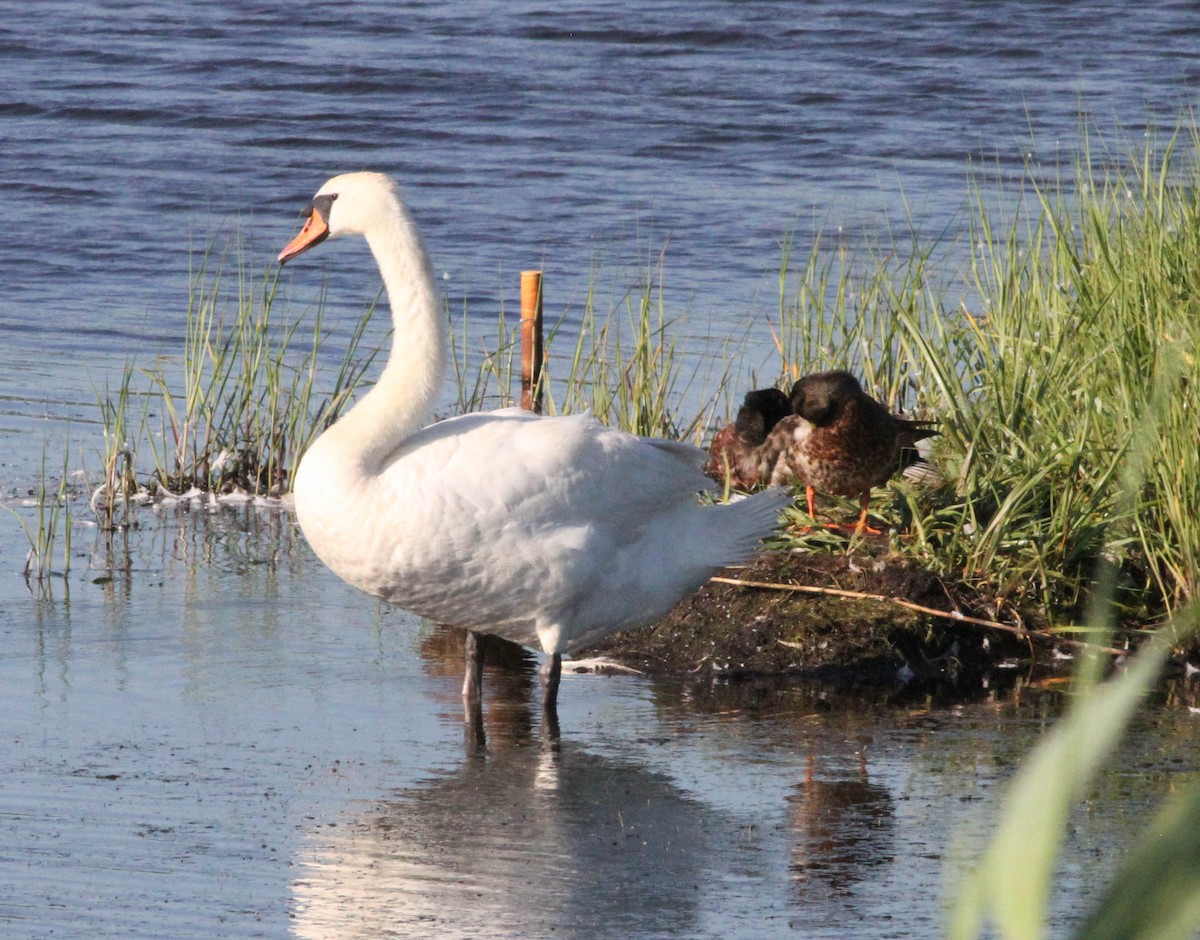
(577, 138)
(206, 734)
(221, 739)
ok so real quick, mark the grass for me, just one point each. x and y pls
(1080, 332)
(1154, 893)
(49, 531)
(240, 406)
(1066, 331)
(1092, 339)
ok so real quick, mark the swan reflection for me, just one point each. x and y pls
(527, 837)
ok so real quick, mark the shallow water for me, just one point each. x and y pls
(207, 734)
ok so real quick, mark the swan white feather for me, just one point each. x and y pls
(548, 531)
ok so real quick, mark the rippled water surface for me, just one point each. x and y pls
(577, 137)
(207, 735)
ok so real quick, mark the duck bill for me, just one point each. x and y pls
(314, 232)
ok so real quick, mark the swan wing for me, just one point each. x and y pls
(526, 525)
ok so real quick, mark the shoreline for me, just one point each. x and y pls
(864, 631)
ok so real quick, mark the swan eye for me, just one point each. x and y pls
(321, 204)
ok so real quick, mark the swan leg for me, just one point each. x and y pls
(472, 690)
(551, 672)
(474, 735)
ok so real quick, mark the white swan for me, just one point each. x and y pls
(547, 531)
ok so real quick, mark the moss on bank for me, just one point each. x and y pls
(730, 629)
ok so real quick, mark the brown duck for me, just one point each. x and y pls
(735, 456)
(839, 440)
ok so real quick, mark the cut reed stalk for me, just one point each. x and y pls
(532, 341)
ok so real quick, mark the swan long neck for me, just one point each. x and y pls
(408, 386)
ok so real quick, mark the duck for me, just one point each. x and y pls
(548, 531)
(838, 440)
(734, 456)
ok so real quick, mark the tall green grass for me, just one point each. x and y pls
(241, 404)
(1073, 325)
(1156, 892)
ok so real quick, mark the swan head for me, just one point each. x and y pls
(349, 204)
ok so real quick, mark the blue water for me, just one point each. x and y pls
(206, 734)
(582, 138)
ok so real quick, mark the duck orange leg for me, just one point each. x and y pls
(864, 501)
(860, 527)
(810, 498)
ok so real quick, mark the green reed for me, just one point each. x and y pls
(111, 501)
(486, 371)
(243, 402)
(1073, 326)
(50, 528)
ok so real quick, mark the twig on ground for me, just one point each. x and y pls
(921, 608)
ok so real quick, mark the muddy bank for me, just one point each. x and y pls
(733, 630)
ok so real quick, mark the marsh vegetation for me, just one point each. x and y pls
(1060, 359)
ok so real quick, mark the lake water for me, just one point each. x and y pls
(576, 137)
(206, 734)
(210, 736)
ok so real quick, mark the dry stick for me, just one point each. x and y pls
(933, 611)
(531, 341)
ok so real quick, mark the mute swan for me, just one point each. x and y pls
(736, 448)
(839, 440)
(547, 531)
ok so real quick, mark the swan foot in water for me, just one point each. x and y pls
(472, 690)
(551, 672)
(474, 735)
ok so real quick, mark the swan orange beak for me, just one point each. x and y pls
(314, 232)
